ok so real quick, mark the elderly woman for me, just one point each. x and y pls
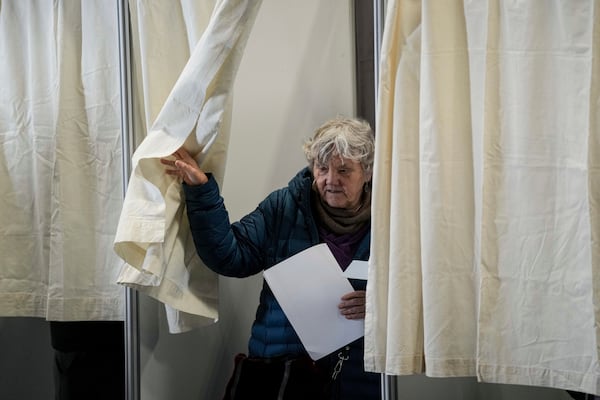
(328, 201)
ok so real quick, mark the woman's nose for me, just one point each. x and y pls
(331, 176)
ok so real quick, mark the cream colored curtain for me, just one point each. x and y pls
(485, 253)
(61, 174)
(184, 83)
(60, 160)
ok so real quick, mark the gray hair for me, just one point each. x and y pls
(350, 138)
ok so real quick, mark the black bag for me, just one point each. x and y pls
(279, 378)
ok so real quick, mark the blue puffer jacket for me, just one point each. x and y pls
(281, 226)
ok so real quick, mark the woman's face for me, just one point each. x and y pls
(340, 183)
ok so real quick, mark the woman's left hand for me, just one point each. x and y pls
(353, 305)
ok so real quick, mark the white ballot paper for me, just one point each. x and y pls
(358, 269)
(309, 287)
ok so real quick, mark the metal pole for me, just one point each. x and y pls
(132, 331)
(389, 389)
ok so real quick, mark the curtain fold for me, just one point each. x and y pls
(485, 250)
(153, 235)
(60, 164)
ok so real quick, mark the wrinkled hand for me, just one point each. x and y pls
(353, 305)
(185, 167)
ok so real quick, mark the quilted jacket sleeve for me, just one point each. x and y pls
(232, 250)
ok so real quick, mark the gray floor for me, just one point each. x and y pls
(26, 363)
(26, 359)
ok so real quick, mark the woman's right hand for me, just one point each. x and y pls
(185, 167)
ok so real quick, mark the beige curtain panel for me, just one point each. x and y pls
(68, 238)
(485, 251)
(60, 160)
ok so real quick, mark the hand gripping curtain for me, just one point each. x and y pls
(485, 257)
(153, 235)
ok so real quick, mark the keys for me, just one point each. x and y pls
(342, 356)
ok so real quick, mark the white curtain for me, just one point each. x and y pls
(163, 36)
(60, 160)
(61, 174)
(190, 109)
(485, 253)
